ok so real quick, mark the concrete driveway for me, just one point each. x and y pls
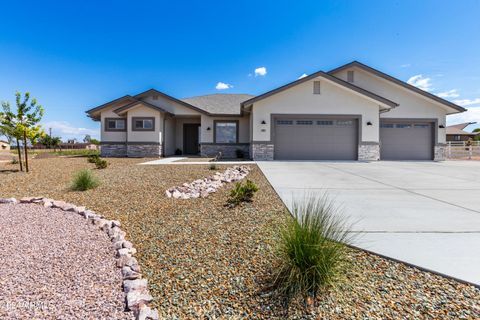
(423, 213)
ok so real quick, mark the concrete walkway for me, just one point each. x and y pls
(424, 213)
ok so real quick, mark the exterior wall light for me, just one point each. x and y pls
(208, 129)
(441, 126)
(263, 122)
(369, 123)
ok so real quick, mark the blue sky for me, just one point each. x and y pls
(75, 55)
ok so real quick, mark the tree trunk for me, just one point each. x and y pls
(19, 155)
(25, 146)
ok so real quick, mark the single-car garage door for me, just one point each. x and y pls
(406, 140)
(315, 139)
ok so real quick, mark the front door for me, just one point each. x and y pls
(190, 138)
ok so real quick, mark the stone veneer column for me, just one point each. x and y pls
(368, 152)
(262, 151)
(113, 150)
(440, 151)
(144, 150)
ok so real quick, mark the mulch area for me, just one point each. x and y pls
(204, 260)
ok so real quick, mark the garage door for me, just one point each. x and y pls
(315, 139)
(400, 140)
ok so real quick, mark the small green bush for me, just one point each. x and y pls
(311, 249)
(242, 193)
(93, 158)
(213, 166)
(101, 163)
(178, 152)
(84, 180)
(14, 161)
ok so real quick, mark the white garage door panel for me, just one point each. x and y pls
(406, 140)
(315, 139)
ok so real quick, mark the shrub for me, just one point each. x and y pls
(311, 248)
(84, 180)
(178, 152)
(93, 158)
(242, 193)
(101, 163)
(239, 153)
(14, 161)
(213, 166)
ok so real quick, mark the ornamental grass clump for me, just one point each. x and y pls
(311, 249)
(84, 180)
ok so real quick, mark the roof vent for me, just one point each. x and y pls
(155, 97)
(350, 75)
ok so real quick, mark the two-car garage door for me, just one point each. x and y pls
(315, 138)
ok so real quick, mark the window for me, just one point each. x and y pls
(457, 138)
(284, 122)
(344, 123)
(421, 126)
(316, 87)
(350, 75)
(304, 122)
(226, 132)
(115, 124)
(403, 125)
(325, 122)
(386, 125)
(143, 124)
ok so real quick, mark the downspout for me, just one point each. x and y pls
(163, 135)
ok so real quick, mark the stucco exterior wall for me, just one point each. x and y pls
(111, 136)
(412, 105)
(243, 128)
(169, 133)
(145, 136)
(300, 99)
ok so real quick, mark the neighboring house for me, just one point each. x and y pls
(353, 112)
(78, 145)
(456, 132)
(4, 145)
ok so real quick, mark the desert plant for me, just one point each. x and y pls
(101, 163)
(311, 248)
(242, 193)
(239, 153)
(213, 166)
(93, 158)
(178, 152)
(14, 161)
(84, 180)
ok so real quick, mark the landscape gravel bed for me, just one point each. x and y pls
(204, 260)
(56, 266)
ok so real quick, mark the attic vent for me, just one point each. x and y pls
(316, 87)
(155, 97)
(350, 75)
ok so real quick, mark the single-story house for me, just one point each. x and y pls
(353, 112)
(457, 133)
(4, 145)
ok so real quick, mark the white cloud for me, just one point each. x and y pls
(467, 102)
(406, 65)
(223, 86)
(65, 130)
(420, 82)
(303, 76)
(448, 94)
(261, 71)
(471, 115)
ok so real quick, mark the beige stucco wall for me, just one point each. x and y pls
(145, 136)
(171, 106)
(243, 128)
(170, 136)
(333, 100)
(411, 104)
(111, 136)
(179, 130)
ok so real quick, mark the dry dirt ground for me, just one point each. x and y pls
(206, 261)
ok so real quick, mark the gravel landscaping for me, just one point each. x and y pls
(202, 259)
(56, 266)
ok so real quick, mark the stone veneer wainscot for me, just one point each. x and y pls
(228, 151)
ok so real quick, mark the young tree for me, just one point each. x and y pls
(24, 123)
(11, 129)
(87, 138)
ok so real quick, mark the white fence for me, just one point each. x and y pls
(463, 150)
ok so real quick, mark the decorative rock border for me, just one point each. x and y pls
(135, 287)
(203, 187)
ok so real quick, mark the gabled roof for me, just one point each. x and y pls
(139, 102)
(154, 91)
(461, 126)
(326, 76)
(125, 98)
(219, 103)
(398, 82)
(457, 129)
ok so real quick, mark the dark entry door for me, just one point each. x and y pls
(190, 138)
